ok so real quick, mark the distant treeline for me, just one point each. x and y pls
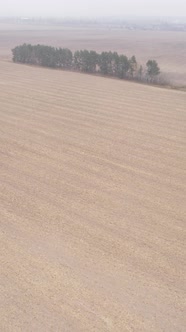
(105, 63)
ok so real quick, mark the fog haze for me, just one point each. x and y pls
(93, 8)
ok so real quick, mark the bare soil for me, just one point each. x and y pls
(92, 203)
(168, 48)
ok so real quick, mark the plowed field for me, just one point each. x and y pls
(92, 203)
(168, 48)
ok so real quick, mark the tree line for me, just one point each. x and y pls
(105, 63)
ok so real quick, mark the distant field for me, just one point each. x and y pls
(168, 48)
(92, 200)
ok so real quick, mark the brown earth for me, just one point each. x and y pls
(92, 203)
(167, 47)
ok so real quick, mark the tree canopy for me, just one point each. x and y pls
(152, 69)
(105, 63)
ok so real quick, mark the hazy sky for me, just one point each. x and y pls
(92, 8)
